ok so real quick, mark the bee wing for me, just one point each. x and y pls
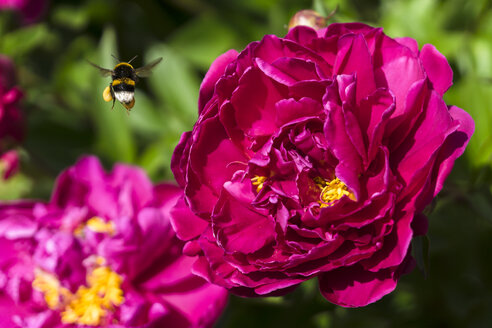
(104, 71)
(146, 70)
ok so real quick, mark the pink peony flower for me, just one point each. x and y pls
(313, 156)
(30, 10)
(11, 120)
(101, 253)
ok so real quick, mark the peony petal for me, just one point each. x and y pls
(173, 277)
(310, 89)
(291, 109)
(301, 34)
(354, 287)
(212, 266)
(437, 68)
(288, 71)
(443, 159)
(214, 151)
(62, 254)
(417, 151)
(395, 245)
(201, 303)
(165, 196)
(70, 193)
(353, 58)
(454, 146)
(135, 187)
(199, 197)
(341, 29)
(376, 110)
(409, 43)
(136, 249)
(339, 142)
(239, 228)
(186, 224)
(272, 48)
(403, 122)
(256, 115)
(17, 221)
(390, 60)
(178, 159)
(266, 284)
(355, 134)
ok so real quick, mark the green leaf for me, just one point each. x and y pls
(15, 187)
(73, 76)
(422, 26)
(24, 40)
(320, 7)
(155, 159)
(145, 118)
(71, 17)
(474, 95)
(176, 85)
(323, 319)
(481, 204)
(194, 42)
(274, 300)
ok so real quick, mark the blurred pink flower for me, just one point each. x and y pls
(30, 10)
(101, 253)
(313, 156)
(11, 120)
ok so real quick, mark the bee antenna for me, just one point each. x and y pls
(115, 58)
(132, 59)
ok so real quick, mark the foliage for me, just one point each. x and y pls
(66, 117)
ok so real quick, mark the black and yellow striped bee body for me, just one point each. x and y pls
(124, 78)
(122, 86)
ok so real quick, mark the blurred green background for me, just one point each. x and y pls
(66, 117)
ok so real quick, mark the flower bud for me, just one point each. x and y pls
(309, 18)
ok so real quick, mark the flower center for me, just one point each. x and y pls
(47, 284)
(90, 304)
(258, 181)
(96, 224)
(331, 191)
(99, 225)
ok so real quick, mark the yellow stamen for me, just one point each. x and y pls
(48, 284)
(331, 191)
(90, 304)
(258, 181)
(97, 224)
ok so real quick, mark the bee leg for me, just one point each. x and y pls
(112, 94)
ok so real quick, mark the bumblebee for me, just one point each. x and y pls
(124, 77)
